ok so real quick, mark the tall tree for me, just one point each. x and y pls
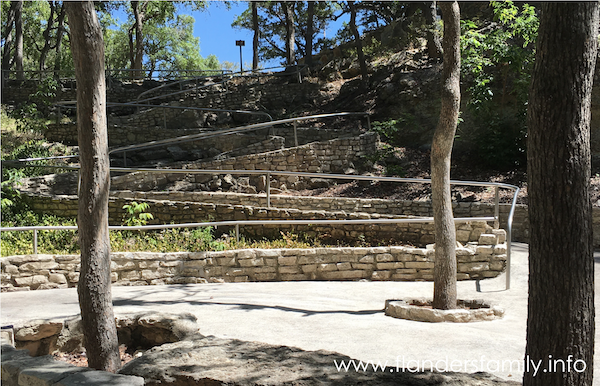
(272, 26)
(255, 36)
(444, 289)
(7, 37)
(60, 31)
(19, 39)
(309, 32)
(136, 52)
(94, 290)
(358, 43)
(560, 321)
(434, 45)
(290, 32)
(149, 13)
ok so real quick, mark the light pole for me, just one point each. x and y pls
(240, 43)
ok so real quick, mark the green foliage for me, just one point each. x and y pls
(136, 215)
(166, 240)
(36, 36)
(53, 241)
(271, 21)
(31, 116)
(168, 46)
(497, 59)
(392, 130)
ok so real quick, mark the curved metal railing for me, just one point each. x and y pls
(496, 218)
(235, 130)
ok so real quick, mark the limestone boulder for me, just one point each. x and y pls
(215, 361)
(37, 330)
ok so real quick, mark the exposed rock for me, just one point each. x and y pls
(177, 153)
(215, 361)
(71, 336)
(149, 330)
(37, 330)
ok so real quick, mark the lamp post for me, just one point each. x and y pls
(241, 43)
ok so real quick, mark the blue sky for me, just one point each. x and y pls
(217, 36)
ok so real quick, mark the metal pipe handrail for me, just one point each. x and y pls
(183, 91)
(237, 223)
(230, 74)
(495, 218)
(509, 236)
(110, 71)
(73, 104)
(182, 81)
(235, 130)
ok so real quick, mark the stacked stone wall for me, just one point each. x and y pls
(166, 212)
(334, 156)
(520, 231)
(475, 261)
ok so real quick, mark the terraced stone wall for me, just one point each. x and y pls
(334, 156)
(475, 261)
(349, 205)
(166, 212)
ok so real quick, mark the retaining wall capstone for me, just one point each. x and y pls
(166, 212)
(475, 261)
(351, 205)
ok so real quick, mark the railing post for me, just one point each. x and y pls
(165, 117)
(296, 133)
(35, 242)
(268, 189)
(497, 208)
(237, 233)
(124, 159)
(508, 257)
(368, 122)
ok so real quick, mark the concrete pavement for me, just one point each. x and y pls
(346, 317)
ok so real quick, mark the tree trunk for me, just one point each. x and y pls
(138, 55)
(288, 9)
(59, 37)
(309, 33)
(444, 289)
(7, 36)
(95, 300)
(46, 34)
(358, 42)
(560, 321)
(256, 36)
(434, 45)
(19, 40)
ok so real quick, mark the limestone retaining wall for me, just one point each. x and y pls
(475, 261)
(175, 206)
(333, 156)
(166, 212)
(349, 205)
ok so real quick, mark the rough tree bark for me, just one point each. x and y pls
(309, 33)
(7, 36)
(434, 45)
(358, 43)
(256, 36)
(444, 290)
(59, 37)
(137, 54)
(19, 40)
(95, 300)
(46, 34)
(290, 38)
(560, 322)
